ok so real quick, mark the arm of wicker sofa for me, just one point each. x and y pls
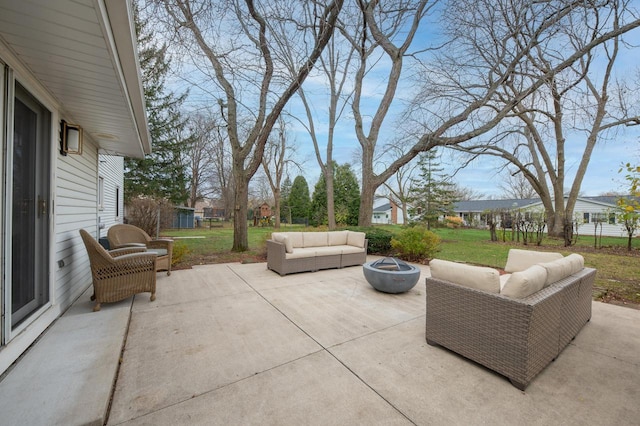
(516, 338)
(276, 256)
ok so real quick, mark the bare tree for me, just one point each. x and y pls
(333, 72)
(277, 156)
(233, 43)
(515, 185)
(200, 156)
(580, 103)
(465, 93)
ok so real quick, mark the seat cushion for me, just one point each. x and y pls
(478, 277)
(158, 251)
(524, 283)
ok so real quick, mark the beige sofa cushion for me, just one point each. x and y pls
(338, 238)
(519, 260)
(478, 277)
(577, 262)
(315, 239)
(525, 283)
(356, 239)
(283, 238)
(557, 270)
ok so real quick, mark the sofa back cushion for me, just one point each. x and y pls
(315, 239)
(356, 239)
(557, 270)
(282, 237)
(525, 283)
(338, 238)
(519, 260)
(295, 238)
(577, 262)
(478, 277)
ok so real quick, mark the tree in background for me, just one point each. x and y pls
(299, 200)
(630, 206)
(163, 173)
(285, 193)
(432, 193)
(236, 48)
(346, 192)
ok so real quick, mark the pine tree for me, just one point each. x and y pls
(346, 193)
(299, 200)
(285, 193)
(163, 173)
(432, 194)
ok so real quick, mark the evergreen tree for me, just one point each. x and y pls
(162, 174)
(432, 194)
(346, 193)
(285, 192)
(299, 200)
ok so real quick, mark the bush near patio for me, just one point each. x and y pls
(415, 244)
(617, 280)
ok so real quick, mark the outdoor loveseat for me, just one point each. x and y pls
(514, 324)
(290, 252)
(124, 235)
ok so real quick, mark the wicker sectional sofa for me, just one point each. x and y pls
(290, 252)
(516, 336)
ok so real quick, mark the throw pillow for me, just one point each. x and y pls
(519, 260)
(525, 283)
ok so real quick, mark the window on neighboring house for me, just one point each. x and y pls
(117, 201)
(599, 218)
(100, 192)
(612, 218)
(585, 218)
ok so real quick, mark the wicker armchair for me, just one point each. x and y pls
(121, 273)
(121, 235)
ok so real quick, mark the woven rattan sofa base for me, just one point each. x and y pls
(277, 260)
(517, 338)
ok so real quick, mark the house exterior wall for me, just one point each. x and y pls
(73, 206)
(111, 170)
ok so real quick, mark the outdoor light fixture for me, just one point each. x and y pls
(70, 138)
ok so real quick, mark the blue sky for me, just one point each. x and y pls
(481, 175)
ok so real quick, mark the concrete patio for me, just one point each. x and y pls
(238, 344)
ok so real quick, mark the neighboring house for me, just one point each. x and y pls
(388, 213)
(61, 61)
(589, 211)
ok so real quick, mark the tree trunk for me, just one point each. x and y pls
(241, 199)
(276, 194)
(331, 208)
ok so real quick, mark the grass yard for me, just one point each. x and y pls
(617, 280)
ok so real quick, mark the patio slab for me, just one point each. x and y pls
(238, 344)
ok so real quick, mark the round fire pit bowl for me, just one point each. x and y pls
(391, 275)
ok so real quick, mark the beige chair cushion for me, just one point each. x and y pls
(519, 260)
(338, 238)
(283, 238)
(356, 239)
(296, 239)
(315, 239)
(478, 277)
(525, 283)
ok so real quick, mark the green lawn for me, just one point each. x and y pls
(618, 277)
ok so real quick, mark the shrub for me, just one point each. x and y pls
(379, 239)
(415, 244)
(454, 222)
(178, 253)
(143, 213)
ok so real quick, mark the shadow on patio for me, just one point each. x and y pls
(238, 344)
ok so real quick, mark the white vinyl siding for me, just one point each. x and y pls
(111, 169)
(75, 209)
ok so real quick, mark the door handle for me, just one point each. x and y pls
(42, 206)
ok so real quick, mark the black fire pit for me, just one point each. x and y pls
(391, 275)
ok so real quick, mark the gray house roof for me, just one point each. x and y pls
(383, 208)
(483, 205)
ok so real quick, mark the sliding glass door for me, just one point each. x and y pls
(28, 190)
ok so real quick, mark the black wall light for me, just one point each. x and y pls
(70, 138)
